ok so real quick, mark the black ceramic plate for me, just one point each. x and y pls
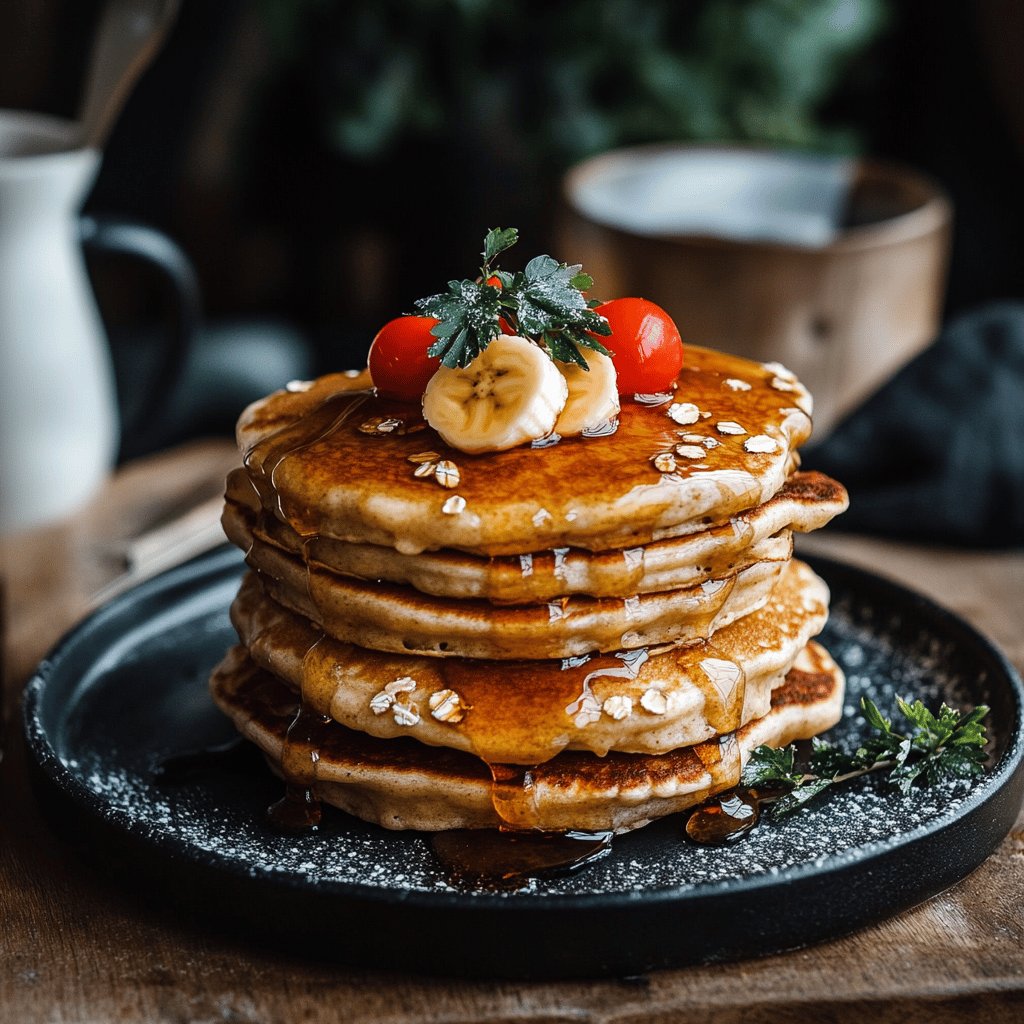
(127, 689)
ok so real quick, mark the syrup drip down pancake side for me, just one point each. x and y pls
(582, 633)
(388, 617)
(806, 502)
(331, 460)
(643, 701)
(402, 784)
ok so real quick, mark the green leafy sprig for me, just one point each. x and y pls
(949, 745)
(544, 302)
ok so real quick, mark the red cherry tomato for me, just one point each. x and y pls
(399, 364)
(646, 344)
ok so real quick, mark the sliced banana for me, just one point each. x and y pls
(510, 394)
(593, 394)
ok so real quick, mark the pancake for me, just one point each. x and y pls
(806, 502)
(529, 711)
(582, 634)
(388, 617)
(333, 460)
(402, 784)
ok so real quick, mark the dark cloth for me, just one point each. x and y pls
(938, 453)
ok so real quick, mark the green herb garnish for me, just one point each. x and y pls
(950, 745)
(543, 302)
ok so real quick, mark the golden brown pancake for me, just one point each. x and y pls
(586, 633)
(335, 462)
(388, 617)
(806, 502)
(402, 784)
(647, 701)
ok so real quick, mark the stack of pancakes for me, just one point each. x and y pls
(584, 634)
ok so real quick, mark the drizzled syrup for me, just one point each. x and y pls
(509, 856)
(502, 858)
(289, 460)
(299, 810)
(723, 681)
(513, 795)
(725, 817)
(492, 859)
(265, 459)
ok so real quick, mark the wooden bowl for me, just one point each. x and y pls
(834, 267)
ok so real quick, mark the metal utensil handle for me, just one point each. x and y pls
(128, 37)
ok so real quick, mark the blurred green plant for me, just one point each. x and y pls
(559, 80)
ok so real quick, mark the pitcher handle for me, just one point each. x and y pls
(130, 238)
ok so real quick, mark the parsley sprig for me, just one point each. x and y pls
(944, 746)
(544, 302)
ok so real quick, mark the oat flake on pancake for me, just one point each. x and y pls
(388, 617)
(806, 502)
(647, 701)
(578, 633)
(333, 460)
(403, 784)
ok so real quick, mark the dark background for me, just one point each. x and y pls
(327, 163)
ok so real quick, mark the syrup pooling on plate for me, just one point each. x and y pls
(299, 810)
(724, 818)
(494, 860)
(509, 858)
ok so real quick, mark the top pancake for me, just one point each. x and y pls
(333, 459)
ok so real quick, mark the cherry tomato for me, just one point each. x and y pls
(399, 364)
(646, 344)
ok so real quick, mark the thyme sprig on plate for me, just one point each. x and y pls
(543, 302)
(949, 745)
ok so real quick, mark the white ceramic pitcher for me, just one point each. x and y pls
(58, 406)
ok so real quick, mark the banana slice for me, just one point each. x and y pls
(510, 394)
(593, 394)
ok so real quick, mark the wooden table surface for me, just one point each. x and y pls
(73, 947)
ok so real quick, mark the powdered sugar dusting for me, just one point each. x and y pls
(218, 816)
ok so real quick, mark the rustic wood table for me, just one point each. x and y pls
(73, 947)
